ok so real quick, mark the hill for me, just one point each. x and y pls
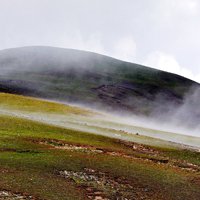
(89, 78)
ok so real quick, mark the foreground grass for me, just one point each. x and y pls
(41, 161)
(33, 155)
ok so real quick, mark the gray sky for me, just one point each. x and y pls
(163, 34)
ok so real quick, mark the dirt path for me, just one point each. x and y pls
(139, 152)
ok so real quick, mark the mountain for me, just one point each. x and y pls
(89, 78)
(53, 150)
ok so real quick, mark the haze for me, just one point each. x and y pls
(161, 34)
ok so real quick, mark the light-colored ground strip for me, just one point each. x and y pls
(149, 154)
(73, 147)
(6, 195)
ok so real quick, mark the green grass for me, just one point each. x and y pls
(35, 105)
(33, 166)
(31, 158)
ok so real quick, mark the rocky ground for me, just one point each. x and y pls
(6, 195)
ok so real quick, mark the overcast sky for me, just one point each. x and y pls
(163, 34)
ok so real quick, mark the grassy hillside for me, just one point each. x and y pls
(79, 118)
(41, 161)
(90, 78)
(16, 102)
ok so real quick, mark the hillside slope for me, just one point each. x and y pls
(84, 77)
(43, 160)
(91, 121)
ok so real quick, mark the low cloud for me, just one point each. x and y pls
(166, 62)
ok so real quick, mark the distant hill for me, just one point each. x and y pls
(90, 78)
